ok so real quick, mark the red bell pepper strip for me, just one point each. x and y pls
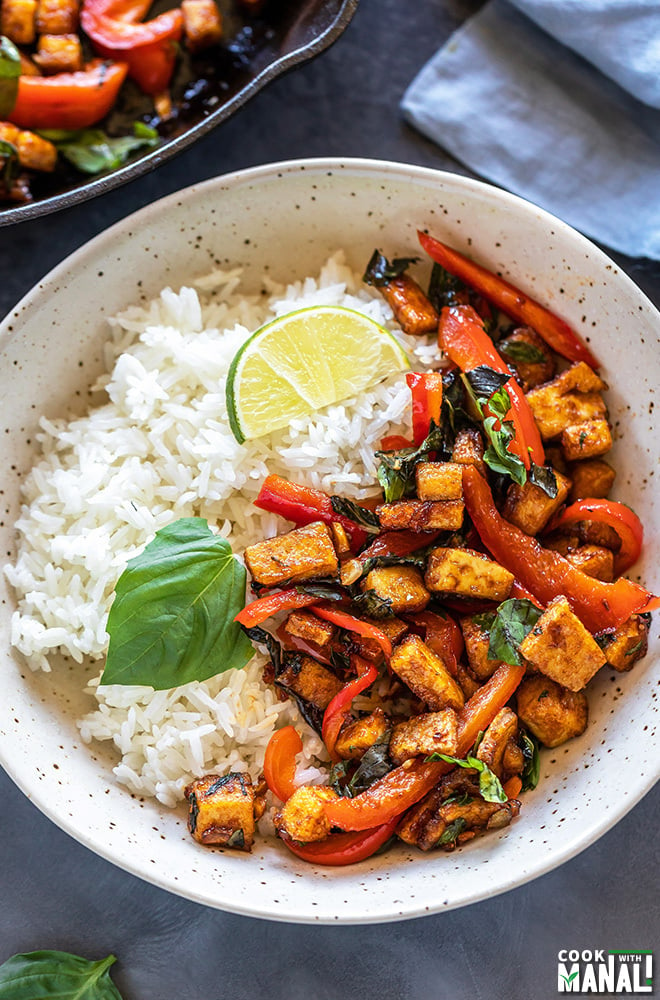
(511, 300)
(303, 505)
(117, 31)
(339, 708)
(390, 796)
(352, 624)
(397, 543)
(617, 516)
(280, 762)
(426, 389)
(462, 336)
(284, 600)
(394, 442)
(517, 590)
(344, 848)
(68, 100)
(545, 572)
(513, 787)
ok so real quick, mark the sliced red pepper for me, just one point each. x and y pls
(397, 543)
(68, 100)
(517, 590)
(303, 505)
(462, 336)
(339, 708)
(511, 300)
(118, 31)
(343, 620)
(344, 848)
(284, 600)
(545, 572)
(426, 389)
(280, 762)
(390, 796)
(616, 515)
(394, 442)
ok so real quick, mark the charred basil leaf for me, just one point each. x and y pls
(374, 764)
(261, 637)
(193, 815)
(396, 472)
(372, 605)
(38, 975)
(521, 351)
(237, 839)
(490, 786)
(512, 622)
(417, 559)
(324, 591)
(452, 832)
(544, 477)
(532, 767)
(485, 381)
(380, 271)
(445, 289)
(360, 515)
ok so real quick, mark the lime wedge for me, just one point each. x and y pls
(304, 361)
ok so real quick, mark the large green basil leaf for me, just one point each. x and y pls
(10, 70)
(490, 785)
(514, 620)
(172, 620)
(36, 975)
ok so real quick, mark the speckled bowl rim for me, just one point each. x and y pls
(104, 242)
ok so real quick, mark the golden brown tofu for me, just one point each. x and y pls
(532, 360)
(394, 629)
(594, 560)
(439, 480)
(411, 307)
(17, 20)
(592, 478)
(426, 675)
(554, 456)
(433, 732)
(340, 539)
(309, 680)
(586, 440)
(421, 515)
(221, 810)
(302, 817)
(498, 748)
(57, 17)
(402, 586)
(434, 823)
(466, 681)
(357, 736)
(560, 647)
(302, 554)
(469, 448)
(571, 398)
(551, 712)
(35, 153)
(307, 626)
(9, 133)
(530, 508)
(468, 573)
(477, 641)
(59, 54)
(202, 24)
(628, 643)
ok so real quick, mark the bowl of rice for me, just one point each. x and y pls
(113, 377)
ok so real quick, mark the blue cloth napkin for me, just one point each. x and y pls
(518, 105)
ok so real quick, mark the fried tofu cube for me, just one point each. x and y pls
(572, 397)
(221, 810)
(35, 153)
(586, 440)
(58, 17)
(628, 643)
(394, 629)
(426, 674)
(498, 748)
(401, 586)
(9, 133)
(302, 817)
(310, 680)
(421, 515)
(17, 20)
(560, 647)
(308, 627)
(553, 713)
(529, 356)
(412, 309)
(202, 24)
(433, 732)
(439, 480)
(530, 508)
(594, 560)
(355, 738)
(469, 448)
(468, 573)
(435, 823)
(302, 554)
(477, 641)
(592, 478)
(59, 54)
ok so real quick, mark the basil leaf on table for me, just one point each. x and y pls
(490, 785)
(10, 70)
(36, 975)
(172, 620)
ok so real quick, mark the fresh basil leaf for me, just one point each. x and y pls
(172, 619)
(38, 975)
(522, 352)
(396, 472)
(485, 381)
(372, 605)
(532, 766)
(92, 151)
(452, 833)
(490, 785)
(360, 515)
(497, 456)
(514, 620)
(380, 271)
(544, 477)
(10, 70)
(391, 482)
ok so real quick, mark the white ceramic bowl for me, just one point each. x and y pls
(287, 217)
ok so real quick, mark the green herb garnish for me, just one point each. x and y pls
(512, 622)
(39, 975)
(92, 151)
(490, 785)
(10, 70)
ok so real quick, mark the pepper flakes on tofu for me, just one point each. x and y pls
(477, 643)
(588, 439)
(560, 647)
(221, 810)
(499, 748)
(357, 736)
(303, 817)
(572, 397)
(530, 508)
(468, 574)
(302, 554)
(426, 675)
(551, 712)
(432, 732)
(627, 644)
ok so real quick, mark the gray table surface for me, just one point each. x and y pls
(55, 893)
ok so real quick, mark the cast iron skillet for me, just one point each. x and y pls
(206, 90)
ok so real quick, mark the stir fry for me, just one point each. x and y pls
(439, 634)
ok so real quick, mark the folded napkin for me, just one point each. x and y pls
(525, 110)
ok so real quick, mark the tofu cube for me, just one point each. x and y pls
(221, 810)
(439, 480)
(530, 508)
(628, 643)
(560, 647)
(594, 560)
(58, 17)
(412, 309)
(35, 153)
(421, 515)
(468, 573)
(302, 817)
(433, 732)
(498, 748)
(394, 629)
(426, 674)
(592, 478)
(529, 356)
(553, 713)
(402, 586)
(477, 641)
(59, 54)
(9, 133)
(586, 440)
(310, 680)
(571, 398)
(302, 554)
(469, 448)
(202, 24)
(17, 20)
(355, 738)
(308, 627)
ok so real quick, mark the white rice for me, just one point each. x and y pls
(158, 449)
